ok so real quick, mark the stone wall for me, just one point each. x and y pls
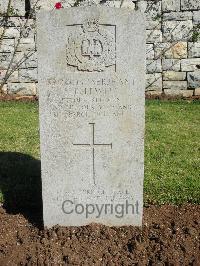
(173, 44)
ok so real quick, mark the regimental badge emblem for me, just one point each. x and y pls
(92, 47)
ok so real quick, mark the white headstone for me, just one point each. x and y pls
(91, 94)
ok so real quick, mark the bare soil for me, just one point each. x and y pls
(170, 236)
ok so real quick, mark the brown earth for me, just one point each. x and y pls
(170, 236)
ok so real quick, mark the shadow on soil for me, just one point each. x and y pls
(20, 183)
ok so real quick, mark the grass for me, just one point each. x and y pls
(172, 152)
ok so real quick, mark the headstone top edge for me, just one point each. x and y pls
(42, 12)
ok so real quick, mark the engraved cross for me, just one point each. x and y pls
(93, 145)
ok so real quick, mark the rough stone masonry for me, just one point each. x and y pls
(91, 70)
(172, 45)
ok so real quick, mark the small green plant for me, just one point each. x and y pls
(12, 11)
(196, 33)
(157, 17)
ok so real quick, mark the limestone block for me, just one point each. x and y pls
(49, 5)
(153, 25)
(196, 17)
(154, 36)
(197, 92)
(5, 89)
(175, 85)
(161, 48)
(153, 93)
(193, 49)
(154, 66)
(172, 75)
(177, 30)
(178, 93)
(13, 77)
(28, 75)
(153, 10)
(177, 50)
(154, 82)
(142, 6)
(171, 64)
(10, 21)
(190, 4)
(31, 61)
(22, 89)
(193, 79)
(17, 8)
(7, 45)
(149, 51)
(11, 32)
(187, 15)
(190, 64)
(170, 5)
(26, 44)
(125, 4)
(19, 59)
(187, 93)
(5, 60)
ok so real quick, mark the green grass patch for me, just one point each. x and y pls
(172, 152)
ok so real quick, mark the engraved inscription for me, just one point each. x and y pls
(99, 96)
(91, 47)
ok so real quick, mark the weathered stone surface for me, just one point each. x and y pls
(17, 8)
(31, 61)
(149, 51)
(13, 77)
(22, 89)
(4, 89)
(177, 30)
(26, 44)
(178, 16)
(28, 75)
(5, 60)
(194, 79)
(190, 64)
(177, 50)
(197, 92)
(170, 5)
(153, 10)
(171, 50)
(161, 48)
(154, 66)
(175, 85)
(11, 32)
(10, 22)
(178, 93)
(142, 6)
(172, 75)
(153, 93)
(153, 25)
(171, 64)
(187, 93)
(190, 4)
(7, 45)
(154, 36)
(193, 49)
(49, 4)
(125, 4)
(154, 82)
(196, 17)
(93, 100)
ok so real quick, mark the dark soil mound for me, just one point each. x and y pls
(170, 236)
